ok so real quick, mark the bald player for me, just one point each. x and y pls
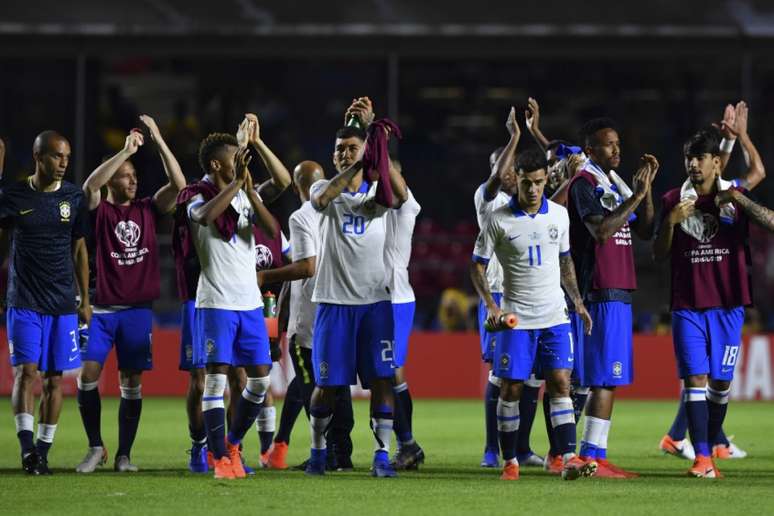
(47, 221)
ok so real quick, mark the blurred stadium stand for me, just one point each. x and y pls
(446, 71)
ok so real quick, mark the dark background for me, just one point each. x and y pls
(446, 71)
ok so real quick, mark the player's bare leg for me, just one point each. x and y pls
(193, 408)
(50, 408)
(90, 407)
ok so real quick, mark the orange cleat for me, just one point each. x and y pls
(606, 464)
(510, 471)
(223, 468)
(277, 454)
(704, 467)
(720, 451)
(235, 455)
(553, 464)
(682, 449)
(577, 467)
(210, 460)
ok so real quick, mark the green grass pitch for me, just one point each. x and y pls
(451, 482)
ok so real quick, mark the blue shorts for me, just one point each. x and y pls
(487, 339)
(50, 341)
(351, 341)
(188, 334)
(607, 352)
(234, 337)
(130, 330)
(707, 341)
(578, 336)
(518, 352)
(403, 317)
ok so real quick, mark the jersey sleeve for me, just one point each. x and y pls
(285, 244)
(585, 200)
(194, 202)
(302, 241)
(315, 190)
(485, 244)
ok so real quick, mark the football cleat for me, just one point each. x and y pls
(235, 457)
(491, 459)
(553, 464)
(277, 456)
(30, 462)
(122, 465)
(704, 467)
(614, 471)
(682, 449)
(95, 456)
(223, 468)
(531, 459)
(732, 451)
(198, 461)
(382, 469)
(41, 468)
(575, 468)
(510, 471)
(410, 456)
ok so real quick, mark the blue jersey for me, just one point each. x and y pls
(43, 226)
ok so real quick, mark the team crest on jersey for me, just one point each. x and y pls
(323, 370)
(617, 369)
(263, 257)
(210, 346)
(64, 211)
(710, 227)
(553, 231)
(505, 361)
(128, 233)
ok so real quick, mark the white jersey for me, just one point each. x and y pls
(228, 279)
(529, 247)
(350, 265)
(304, 241)
(397, 249)
(484, 207)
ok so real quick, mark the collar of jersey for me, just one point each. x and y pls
(518, 212)
(364, 187)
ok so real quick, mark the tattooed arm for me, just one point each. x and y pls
(761, 215)
(570, 286)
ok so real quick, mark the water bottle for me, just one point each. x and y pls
(353, 121)
(269, 305)
(506, 321)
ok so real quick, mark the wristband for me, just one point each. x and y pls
(727, 146)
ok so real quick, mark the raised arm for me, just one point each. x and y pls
(164, 198)
(570, 286)
(756, 172)
(93, 185)
(81, 262)
(760, 215)
(279, 177)
(506, 158)
(205, 213)
(574, 164)
(532, 117)
(321, 200)
(646, 213)
(262, 218)
(602, 227)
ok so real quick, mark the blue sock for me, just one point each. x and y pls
(721, 439)
(403, 410)
(90, 407)
(26, 441)
(381, 456)
(508, 427)
(129, 411)
(246, 412)
(291, 408)
(491, 396)
(563, 423)
(42, 448)
(527, 410)
(698, 419)
(680, 424)
(319, 456)
(198, 435)
(717, 406)
(579, 396)
(215, 423)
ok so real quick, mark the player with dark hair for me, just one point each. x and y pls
(353, 333)
(126, 258)
(46, 219)
(705, 240)
(230, 331)
(602, 213)
(530, 236)
(732, 127)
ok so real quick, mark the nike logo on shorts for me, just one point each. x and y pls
(513, 238)
(73, 358)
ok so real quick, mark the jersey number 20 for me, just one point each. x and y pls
(353, 224)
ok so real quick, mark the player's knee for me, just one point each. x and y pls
(696, 380)
(259, 385)
(399, 378)
(25, 374)
(721, 387)
(559, 383)
(510, 390)
(130, 378)
(52, 384)
(196, 382)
